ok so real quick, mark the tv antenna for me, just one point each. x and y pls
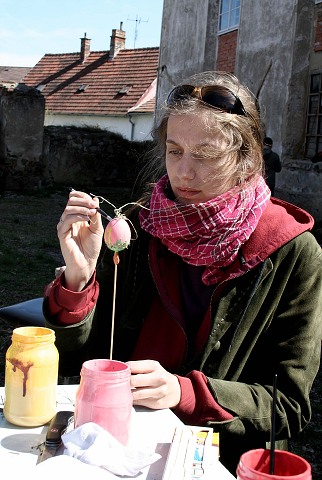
(137, 23)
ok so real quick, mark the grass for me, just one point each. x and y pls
(29, 247)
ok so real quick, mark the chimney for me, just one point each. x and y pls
(85, 48)
(117, 41)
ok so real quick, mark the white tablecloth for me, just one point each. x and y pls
(20, 446)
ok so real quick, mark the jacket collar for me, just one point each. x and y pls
(279, 223)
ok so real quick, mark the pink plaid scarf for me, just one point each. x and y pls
(208, 233)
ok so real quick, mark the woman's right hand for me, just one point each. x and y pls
(80, 232)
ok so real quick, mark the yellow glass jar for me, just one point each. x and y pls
(31, 377)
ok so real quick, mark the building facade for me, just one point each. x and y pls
(111, 90)
(275, 48)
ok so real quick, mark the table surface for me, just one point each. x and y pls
(20, 446)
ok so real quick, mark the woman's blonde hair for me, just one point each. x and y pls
(242, 134)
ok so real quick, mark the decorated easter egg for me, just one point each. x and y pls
(117, 235)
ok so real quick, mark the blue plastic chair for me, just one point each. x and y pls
(24, 313)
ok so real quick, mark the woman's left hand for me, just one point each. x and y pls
(152, 386)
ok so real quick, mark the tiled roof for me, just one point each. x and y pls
(12, 74)
(147, 102)
(147, 106)
(99, 86)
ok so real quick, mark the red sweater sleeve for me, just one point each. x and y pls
(70, 307)
(197, 405)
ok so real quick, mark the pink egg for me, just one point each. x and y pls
(117, 235)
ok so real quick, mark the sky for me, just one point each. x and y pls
(31, 28)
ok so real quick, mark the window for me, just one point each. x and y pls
(314, 117)
(82, 88)
(125, 89)
(229, 14)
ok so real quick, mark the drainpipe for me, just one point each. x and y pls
(132, 126)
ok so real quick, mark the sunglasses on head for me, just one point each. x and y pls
(213, 95)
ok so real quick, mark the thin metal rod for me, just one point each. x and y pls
(272, 450)
(116, 260)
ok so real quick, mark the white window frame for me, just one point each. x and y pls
(230, 9)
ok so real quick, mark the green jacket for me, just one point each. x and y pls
(265, 321)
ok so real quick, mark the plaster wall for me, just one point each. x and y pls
(138, 130)
(273, 59)
(274, 42)
(274, 65)
(188, 41)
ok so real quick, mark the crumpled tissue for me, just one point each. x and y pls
(93, 445)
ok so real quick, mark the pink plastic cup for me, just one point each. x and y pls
(255, 465)
(104, 397)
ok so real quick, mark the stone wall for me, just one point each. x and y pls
(21, 137)
(86, 157)
(300, 183)
(33, 156)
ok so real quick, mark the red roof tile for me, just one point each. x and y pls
(12, 74)
(99, 86)
(146, 103)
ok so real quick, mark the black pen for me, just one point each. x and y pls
(104, 214)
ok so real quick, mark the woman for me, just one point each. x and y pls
(220, 291)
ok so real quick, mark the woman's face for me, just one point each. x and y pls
(195, 178)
